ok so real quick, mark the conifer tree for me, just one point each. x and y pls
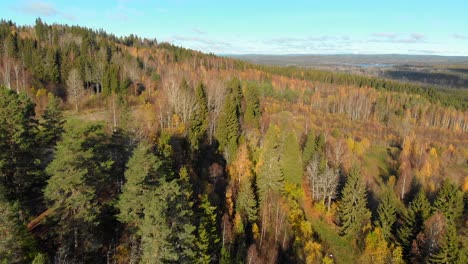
(309, 148)
(291, 161)
(76, 172)
(449, 201)
(246, 204)
(207, 235)
(52, 124)
(252, 107)
(386, 214)
(352, 209)
(199, 120)
(449, 252)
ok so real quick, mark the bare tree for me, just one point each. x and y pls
(322, 185)
(74, 87)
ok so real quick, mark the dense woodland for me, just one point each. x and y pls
(127, 150)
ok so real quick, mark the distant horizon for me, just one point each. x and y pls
(268, 27)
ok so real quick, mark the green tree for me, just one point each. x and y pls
(207, 233)
(227, 132)
(246, 203)
(252, 107)
(450, 201)
(19, 172)
(386, 214)
(291, 160)
(51, 127)
(352, 209)
(77, 172)
(309, 149)
(418, 212)
(449, 251)
(199, 120)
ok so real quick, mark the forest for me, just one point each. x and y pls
(130, 150)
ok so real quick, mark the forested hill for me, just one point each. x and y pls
(127, 150)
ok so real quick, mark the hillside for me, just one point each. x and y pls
(131, 150)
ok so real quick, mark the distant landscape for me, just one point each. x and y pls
(442, 71)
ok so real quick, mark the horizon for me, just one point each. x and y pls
(269, 28)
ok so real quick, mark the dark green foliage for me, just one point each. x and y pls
(309, 149)
(78, 173)
(270, 178)
(418, 212)
(15, 241)
(227, 131)
(143, 171)
(450, 202)
(200, 118)
(291, 161)
(207, 233)
(449, 251)
(352, 209)
(51, 127)
(246, 203)
(18, 129)
(252, 112)
(386, 214)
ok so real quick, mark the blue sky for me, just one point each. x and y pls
(269, 27)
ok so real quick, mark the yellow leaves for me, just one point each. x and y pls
(238, 224)
(350, 142)
(306, 229)
(312, 251)
(240, 168)
(465, 184)
(255, 231)
(376, 250)
(229, 202)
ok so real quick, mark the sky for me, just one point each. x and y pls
(424, 27)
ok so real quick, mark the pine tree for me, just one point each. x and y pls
(207, 235)
(450, 201)
(143, 170)
(76, 172)
(352, 209)
(291, 161)
(386, 214)
(199, 120)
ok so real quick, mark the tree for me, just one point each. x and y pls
(74, 87)
(143, 171)
(352, 209)
(449, 252)
(52, 124)
(449, 201)
(207, 233)
(291, 161)
(19, 172)
(418, 212)
(246, 203)
(377, 249)
(200, 119)
(76, 173)
(386, 214)
(252, 107)
(227, 132)
(309, 148)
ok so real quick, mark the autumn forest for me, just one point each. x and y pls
(130, 150)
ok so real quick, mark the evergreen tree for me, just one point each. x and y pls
(52, 124)
(143, 170)
(76, 172)
(246, 203)
(291, 161)
(252, 107)
(19, 172)
(386, 214)
(352, 209)
(449, 252)
(227, 132)
(418, 211)
(450, 201)
(309, 149)
(199, 120)
(207, 235)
